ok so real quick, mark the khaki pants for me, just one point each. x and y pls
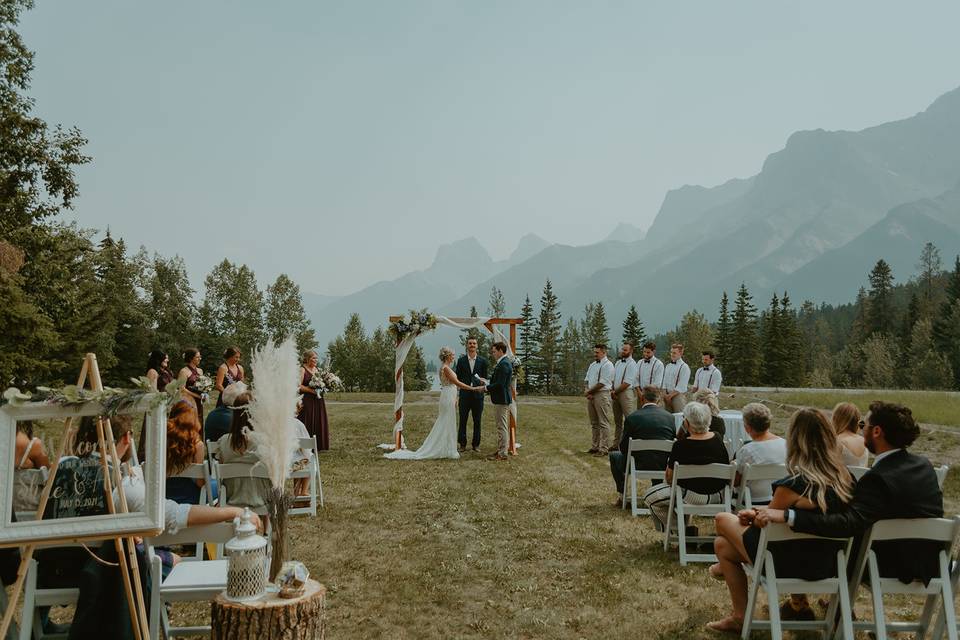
(599, 410)
(501, 414)
(677, 404)
(623, 405)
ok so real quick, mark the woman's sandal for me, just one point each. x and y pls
(715, 571)
(727, 625)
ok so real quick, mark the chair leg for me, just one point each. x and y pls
(846, 607)
(682, 532)
(773, 598)
(29, 615)
(949, 612)
(876, 595)
(666, 527)
(752, 589)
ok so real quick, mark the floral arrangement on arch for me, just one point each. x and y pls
(518, 371)
(325, 380)
(415, 323)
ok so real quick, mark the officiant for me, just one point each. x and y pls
(469, 367)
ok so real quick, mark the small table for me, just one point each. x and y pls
(736, 434)
(271, 617)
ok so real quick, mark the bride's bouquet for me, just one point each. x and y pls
(325, 380)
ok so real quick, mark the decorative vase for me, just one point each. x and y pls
(279, 504)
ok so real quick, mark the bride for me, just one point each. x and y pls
(442, 440)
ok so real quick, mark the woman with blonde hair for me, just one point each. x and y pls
(709, 398)
(847, 422)
(819, 481)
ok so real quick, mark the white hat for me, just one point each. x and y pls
(230, 394)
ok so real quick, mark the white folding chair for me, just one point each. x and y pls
(680, 509)
(198, 471)
(857, 472)
(228, 471)
(188, 581)
(942, 530)
(312, 472)
(632, 475)
(940, 626)
(35, 597)
(762, 574)
(753, 473)
(213, 452)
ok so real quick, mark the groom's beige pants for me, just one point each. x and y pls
(599, 409)
(501, 413)
(623, 405)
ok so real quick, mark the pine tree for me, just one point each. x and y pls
(231, 313)
(27, 336)
(474, 334)
(882, 315)
(742, 363)
(599, 330)
(794, 372)
(415, 371)
(928, 368)
(860, 327)
(528, 348)
(633, 329)
(548, 338)
(349, 354)
(946, 327)
(573, 359)
(878, 362)
(285, 316)
(928, 271)
(171, 304)
(724, 329)
(696, 336)
(771, 345)
(498, 306)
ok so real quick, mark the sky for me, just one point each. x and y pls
(342, 142)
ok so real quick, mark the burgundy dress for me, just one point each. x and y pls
(191, 385)
(313, 415)
(229, 379)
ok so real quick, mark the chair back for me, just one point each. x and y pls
(857, 472)
(934, 529)
(309, 444)
(715, 470)
(218, 533)
(755, 472)
(635, 445)
(241, 470)
(198, 471)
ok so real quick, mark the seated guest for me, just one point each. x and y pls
(184, 447)
(717, 425)
(847, 422)
(217, 424)
(700, 447)
(30, 469)
(898, 485)
(818, 482)
(29, 453)
(649, 422)
(764, 448)
(235, 448)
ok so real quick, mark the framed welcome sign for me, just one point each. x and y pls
(77, 490)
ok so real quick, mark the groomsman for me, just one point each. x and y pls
(676, 376)
(469, 365)
(650, 367)
(623, 396)
(599, 383)
(708, 376)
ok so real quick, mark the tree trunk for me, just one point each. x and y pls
(271, 617)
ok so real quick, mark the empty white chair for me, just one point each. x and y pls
(632, 475)
(678, 509)
(762, 575)
(312, 472)
(942, 530)
(35, 597)
(188, 581)
(752, 473)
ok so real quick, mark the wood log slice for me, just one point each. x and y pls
(271, 617)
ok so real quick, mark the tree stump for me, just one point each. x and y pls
(271, 617)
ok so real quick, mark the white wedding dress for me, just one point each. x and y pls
(442, 439)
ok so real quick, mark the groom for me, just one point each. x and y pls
(469, 365)
(499, 388)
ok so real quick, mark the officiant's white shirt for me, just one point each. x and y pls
(676, 376)
(650, 373)
(600, 373)
(625, 370)
(708, 378)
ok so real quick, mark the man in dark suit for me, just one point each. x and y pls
(469, 365)
(500, 395)
(649, 422)
(899, 485)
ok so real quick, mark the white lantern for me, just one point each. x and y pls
(247, 569)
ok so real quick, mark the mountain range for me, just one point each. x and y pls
(813, 221)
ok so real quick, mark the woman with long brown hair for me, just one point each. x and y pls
(184, 447)
(189, 375)
(229, 372)
(818, 480)
(847, 422)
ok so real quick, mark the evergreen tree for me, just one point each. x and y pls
(480, 335)
(743, 361)
(350, 353)
(928, 369)
(633, 330)
(231, 313)
(285, 316)
(171, 304)
(574, 359)
(881, 317)
(696, 336)
(860, 327)
(793, 344)
(415, 371)
(528, 347)
(946, 327)
(548, 339)
(928, 273)
(878, 362)
(599, 329)
(771, 345)
(27, 335)
(497, 307)
(724, 329)
(380, 365)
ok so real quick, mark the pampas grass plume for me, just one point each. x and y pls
(276, 385)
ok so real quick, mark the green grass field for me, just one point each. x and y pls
(528, 548)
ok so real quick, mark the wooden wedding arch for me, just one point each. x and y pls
(493, 326)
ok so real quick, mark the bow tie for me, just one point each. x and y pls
(647, 360)
(623, 359)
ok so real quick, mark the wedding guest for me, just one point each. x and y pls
(649, 422)
(313, 413)
(623, 397)
(184, 447)
(764, 447)
(717, 425)
(708, 376)
(30, 468)
(469, 365)
(650, 368)
(818, 483)
(219, 420)
(189, 375)
(900, 484)
(700, 447)
(847, 422)
(158, 370)
(29, 450)
(676, 375)
(599, 381)
(235, 448)
(229, 372)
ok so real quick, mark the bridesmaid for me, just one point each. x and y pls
(158, 370)
(189, 374)
(313, 413)
(229, 372)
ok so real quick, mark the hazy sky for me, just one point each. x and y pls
(340, 142)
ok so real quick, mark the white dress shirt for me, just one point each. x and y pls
(473, 363)
(600, 372)
(650, 373)
(676, 376)
(625, 370)
(708, 378)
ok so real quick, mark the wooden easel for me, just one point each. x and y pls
(128, 562)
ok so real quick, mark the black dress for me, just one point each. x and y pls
(228, 379)
(191, 386)
(313, 415)
(804, 559)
